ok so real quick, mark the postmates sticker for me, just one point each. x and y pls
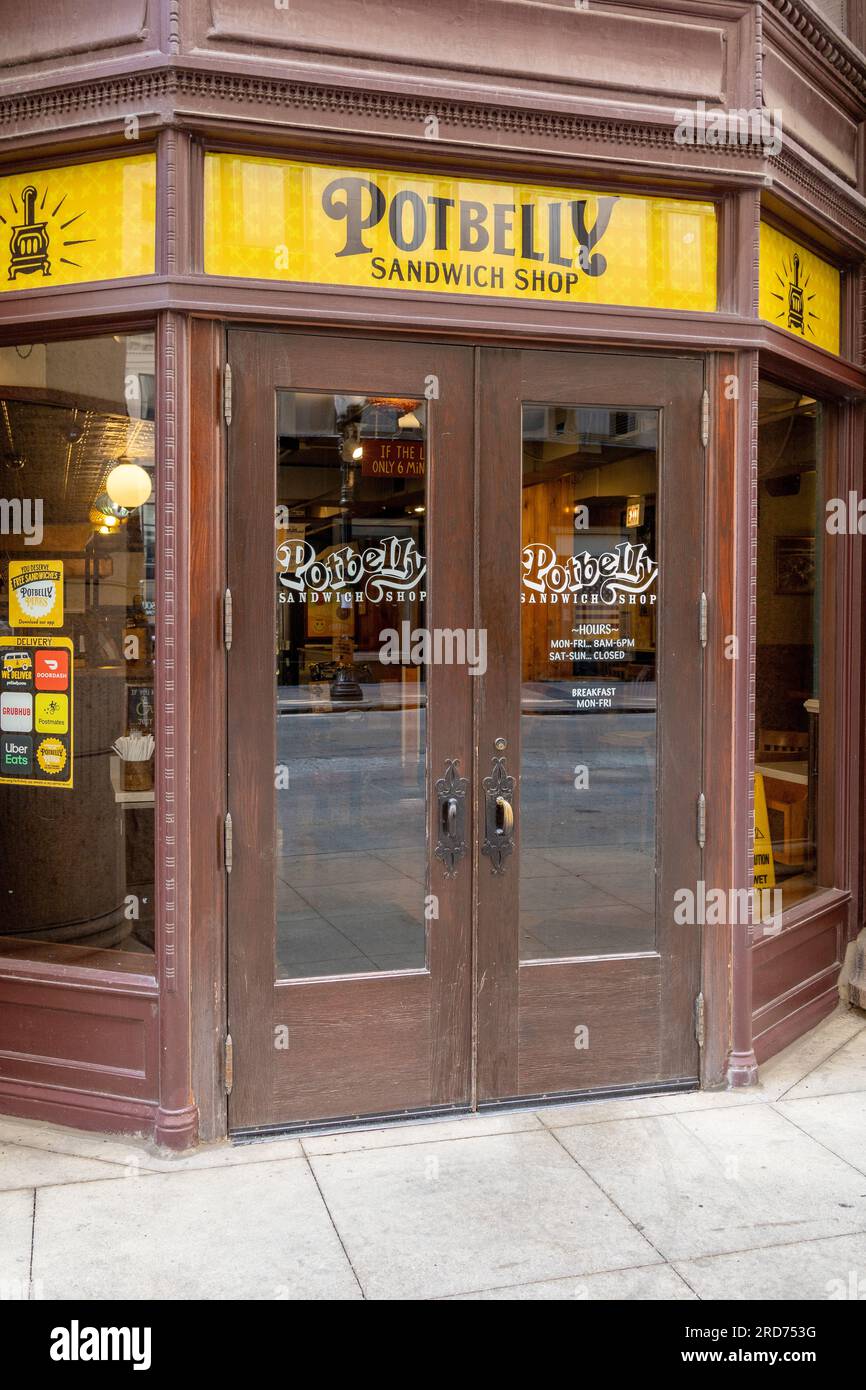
(52, 714)
(51, 756)
(36, 593)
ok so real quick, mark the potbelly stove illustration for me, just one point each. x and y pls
(28, 245)
(796, 303)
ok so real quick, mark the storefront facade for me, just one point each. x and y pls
(430, 571)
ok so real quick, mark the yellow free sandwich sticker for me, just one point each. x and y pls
(35, 593)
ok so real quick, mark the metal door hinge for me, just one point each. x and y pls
(228, 842)
(702, 820)
(700, 1019)
(228, 1063)
(705, 419)
(703, 620)
(228, 620)
(227, 393)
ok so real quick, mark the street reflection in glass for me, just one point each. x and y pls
(589, 591)
(350, 709)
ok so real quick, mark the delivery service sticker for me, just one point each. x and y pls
(36, 593)
(36, 711)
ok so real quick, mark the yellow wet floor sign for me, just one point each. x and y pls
(765, 869)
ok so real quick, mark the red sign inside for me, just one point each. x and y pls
(393, 458)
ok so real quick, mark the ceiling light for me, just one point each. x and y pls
(106, 515)
(409, 421)
(128, 485)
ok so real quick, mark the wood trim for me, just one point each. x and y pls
(84, 1036)
(724, 691)
(796, 977)
(403, 1039)
(832, 770)
(79, 1109)
(36, 314)
(512, 1059)
(742, 1063)
(812, 1002)
(177, 1115)
(498, 521)
(207, 578)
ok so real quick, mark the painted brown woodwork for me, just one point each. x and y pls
(592, 47)
(207, 752)
(79, 1046)
(75, 28)
(819, 120)
(556, 123)
(795, 977)
(386, 1042)
(527, 1014)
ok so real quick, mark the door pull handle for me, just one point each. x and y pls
(498, 816)
(451, 829)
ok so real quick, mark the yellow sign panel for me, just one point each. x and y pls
(799, 291)
(765, 868)
(271, 219)
(36, 744)
(78, 223)
(35, 593)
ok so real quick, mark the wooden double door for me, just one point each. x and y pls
(464, 724)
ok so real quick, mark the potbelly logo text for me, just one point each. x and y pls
(392, 567)
(554, 232)
(622, 575)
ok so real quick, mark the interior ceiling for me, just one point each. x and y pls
(62, 454)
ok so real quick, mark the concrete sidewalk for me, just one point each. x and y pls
(756, 1194)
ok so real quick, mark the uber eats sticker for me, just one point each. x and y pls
(36, 711)
(36, 593)
(273, 219)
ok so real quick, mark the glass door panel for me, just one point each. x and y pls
(589, 719)
(349, 891)
(350, 776)
(589, 630)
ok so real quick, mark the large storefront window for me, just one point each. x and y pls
(788, 645)
(77, 608)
